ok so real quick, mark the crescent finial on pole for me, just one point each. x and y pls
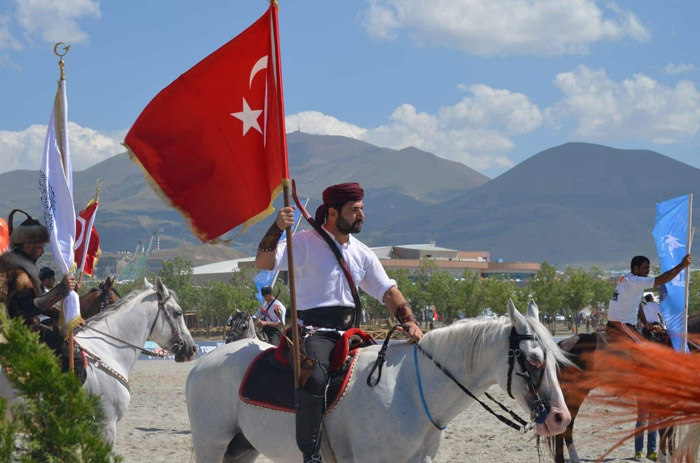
(66, 49)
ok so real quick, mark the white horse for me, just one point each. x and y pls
(387, 423)
(112, 341)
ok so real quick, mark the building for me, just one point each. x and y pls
(406, 257)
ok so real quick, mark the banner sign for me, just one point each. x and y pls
(671, 236)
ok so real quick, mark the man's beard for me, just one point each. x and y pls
(346, 227)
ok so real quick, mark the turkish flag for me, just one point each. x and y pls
(87, 245)
(4, 236)
(214, 139)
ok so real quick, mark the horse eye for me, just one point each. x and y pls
(177, 313)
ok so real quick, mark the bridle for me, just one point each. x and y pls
(540, 407)
(532, 375)
(176, 347)
(174, 331)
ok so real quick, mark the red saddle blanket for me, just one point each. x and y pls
(269, 380)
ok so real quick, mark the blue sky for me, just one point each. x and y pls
(484, 82)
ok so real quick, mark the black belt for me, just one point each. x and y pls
(335, 317)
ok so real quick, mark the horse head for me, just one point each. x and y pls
(242, 327)
(169, 329)
(531, 377)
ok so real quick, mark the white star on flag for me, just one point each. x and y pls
(249, 117)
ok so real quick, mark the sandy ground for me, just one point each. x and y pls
(156, 428)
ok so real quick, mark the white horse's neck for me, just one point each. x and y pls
(130, 322)
(471, 352)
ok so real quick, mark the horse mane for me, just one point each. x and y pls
(668, 382)
(469, 339)
(112, 308)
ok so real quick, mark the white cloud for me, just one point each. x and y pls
(48, 21)
(639, 107)
(317, 123)
(23, 149)
(7, 39)
(502, 27)
(476, 131)
(678, 68)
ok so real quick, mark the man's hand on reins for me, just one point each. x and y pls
(414, 332)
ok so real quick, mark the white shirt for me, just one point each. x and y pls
(271, 311)
(651, 312)
(624, 305)
(320, 282)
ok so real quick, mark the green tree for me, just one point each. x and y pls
(497, 290)
(694, 292)
(59, 421)
(546, 288)
(469, 294)
(177, 275)
(441, 288)
(578, 290)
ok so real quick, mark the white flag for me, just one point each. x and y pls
(56, 187)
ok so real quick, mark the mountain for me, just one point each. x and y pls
(396, 182)
(577, 203)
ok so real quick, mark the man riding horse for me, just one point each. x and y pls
(21, 289)
(325, 299)
(624, 309)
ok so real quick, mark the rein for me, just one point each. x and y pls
(161, 307)
(519, 424)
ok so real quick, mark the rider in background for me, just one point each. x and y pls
(651, 312)
(47, 278)
(270, 316)
(624, 307)
(21, 289)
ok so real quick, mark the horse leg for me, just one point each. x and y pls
(239, 450)
(573, 403)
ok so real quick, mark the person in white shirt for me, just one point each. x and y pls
(270, 316)
(624, 309)
(652, 311)
(324, 297)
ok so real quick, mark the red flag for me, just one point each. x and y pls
(214, 139)
(86, 261)
(4, 236)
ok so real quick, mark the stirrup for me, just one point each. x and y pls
(313, 459)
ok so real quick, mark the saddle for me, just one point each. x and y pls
(269, 380)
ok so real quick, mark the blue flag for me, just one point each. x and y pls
(267, 277)
(671, 236)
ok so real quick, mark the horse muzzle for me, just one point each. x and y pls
(554, 422)
(183, 353)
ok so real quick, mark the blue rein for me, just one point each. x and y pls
(420, 389)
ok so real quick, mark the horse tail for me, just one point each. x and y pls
(666, 382)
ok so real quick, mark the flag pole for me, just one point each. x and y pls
(691, 232)
(277, 64)
(61, 65)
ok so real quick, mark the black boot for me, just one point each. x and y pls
(309, 411)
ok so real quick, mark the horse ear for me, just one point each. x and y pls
(516, 318)
(110, 281)
(147, 284)
(533, 311)
(161, 290)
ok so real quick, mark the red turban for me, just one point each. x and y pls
(337, 194)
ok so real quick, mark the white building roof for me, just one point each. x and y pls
(225, 266)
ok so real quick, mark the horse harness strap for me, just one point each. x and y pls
(161, 306)
(521, 425)
(540, 407)
(99, 363)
